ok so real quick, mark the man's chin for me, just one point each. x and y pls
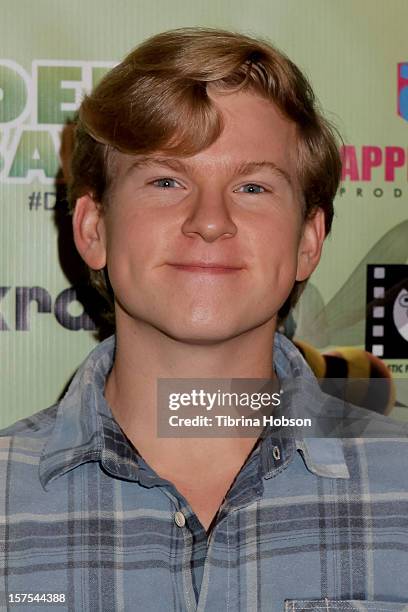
(209, 333)
(193, 329)
(204, 335)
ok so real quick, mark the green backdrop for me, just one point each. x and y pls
(52, 50)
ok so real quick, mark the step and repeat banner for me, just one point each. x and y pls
(355, 53)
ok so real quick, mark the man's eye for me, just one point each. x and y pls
(252, 188)
(165, 183)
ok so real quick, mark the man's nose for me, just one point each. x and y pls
(209, 216)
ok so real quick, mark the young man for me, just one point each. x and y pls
(203, 186)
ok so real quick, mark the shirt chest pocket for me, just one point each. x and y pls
(344, 605)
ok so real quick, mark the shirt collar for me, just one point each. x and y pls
(322, 456)
(85, 429)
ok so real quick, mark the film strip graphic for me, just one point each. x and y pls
(387, 311)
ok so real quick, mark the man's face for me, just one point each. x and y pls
(234, 206)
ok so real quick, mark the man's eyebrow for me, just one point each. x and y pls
(179, 166)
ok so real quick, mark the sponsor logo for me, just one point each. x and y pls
(370, 163)
(387, 310)
(402, 107)
(60, 308)
(34, 106)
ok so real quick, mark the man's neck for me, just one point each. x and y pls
(144, 355)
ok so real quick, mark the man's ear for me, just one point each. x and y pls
(89, 232)
(311, 244)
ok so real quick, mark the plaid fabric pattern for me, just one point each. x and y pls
(320, 525)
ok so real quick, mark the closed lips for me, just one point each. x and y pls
(205, 265)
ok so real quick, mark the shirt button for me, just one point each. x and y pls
(276, 453)
(179, 519)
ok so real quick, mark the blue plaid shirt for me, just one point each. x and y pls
(308, 524)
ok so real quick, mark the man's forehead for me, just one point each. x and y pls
(255, 135)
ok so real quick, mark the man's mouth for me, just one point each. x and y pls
(206, 267)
